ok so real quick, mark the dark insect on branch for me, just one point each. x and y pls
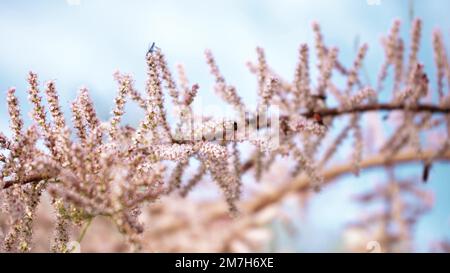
(426, 172)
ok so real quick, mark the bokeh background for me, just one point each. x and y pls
(82, 42)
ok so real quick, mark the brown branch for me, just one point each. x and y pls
(30, 179)
(302, 183)
(325, 112)
(430, 108)
(328, 112)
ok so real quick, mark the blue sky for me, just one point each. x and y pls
(82, 42)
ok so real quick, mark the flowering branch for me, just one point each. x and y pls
(334, 112)
(302, 183)
(107, 168)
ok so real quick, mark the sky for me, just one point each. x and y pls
(82, 42)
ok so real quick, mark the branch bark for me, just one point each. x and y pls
(430, 108)
(301, 183)
(331, 112)
(220, 210)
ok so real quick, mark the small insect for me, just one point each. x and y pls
(319, 97)
(318, 118)
(152, 48)
(426, 172)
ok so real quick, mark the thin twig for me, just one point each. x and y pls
(85, 228)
